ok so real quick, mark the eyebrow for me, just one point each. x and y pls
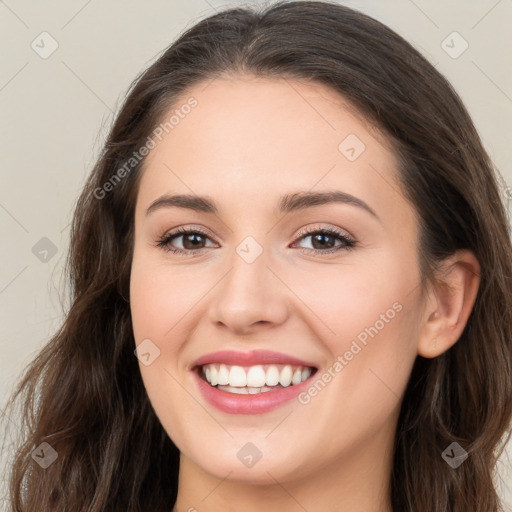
(288, 203)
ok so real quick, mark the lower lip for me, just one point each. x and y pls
(249, 404)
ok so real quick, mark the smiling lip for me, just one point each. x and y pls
(249, 404)
(232, 357)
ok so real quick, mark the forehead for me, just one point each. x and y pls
(248, 135)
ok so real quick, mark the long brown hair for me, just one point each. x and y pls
(83, 394)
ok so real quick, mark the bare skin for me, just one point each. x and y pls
(249, 142)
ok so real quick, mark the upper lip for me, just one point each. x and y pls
(255, 357)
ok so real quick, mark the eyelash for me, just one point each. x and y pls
(349, 243)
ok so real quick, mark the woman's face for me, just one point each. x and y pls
(256, 275)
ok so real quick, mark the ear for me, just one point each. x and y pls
(449, 303)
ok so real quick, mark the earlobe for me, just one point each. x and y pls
(449, 304)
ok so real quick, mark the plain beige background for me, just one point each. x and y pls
(56, 110)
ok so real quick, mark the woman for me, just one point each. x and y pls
(295, 228)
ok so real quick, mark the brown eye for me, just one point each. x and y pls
(324, 241)
(184, 241)
(193, 241)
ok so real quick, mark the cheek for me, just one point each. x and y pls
(158, 308)
(147, 303)
(159, 297)
(368, 323)
(360, 298)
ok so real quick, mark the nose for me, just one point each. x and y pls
(249, 298)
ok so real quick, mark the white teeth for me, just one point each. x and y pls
(305, 374)
(296, 379)
(286, 376)
(223, 375)
(244, 391)
(237, 391)
(272, 376)
(237, 377)
(214, 380)
(256, 376)
(254, 379)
